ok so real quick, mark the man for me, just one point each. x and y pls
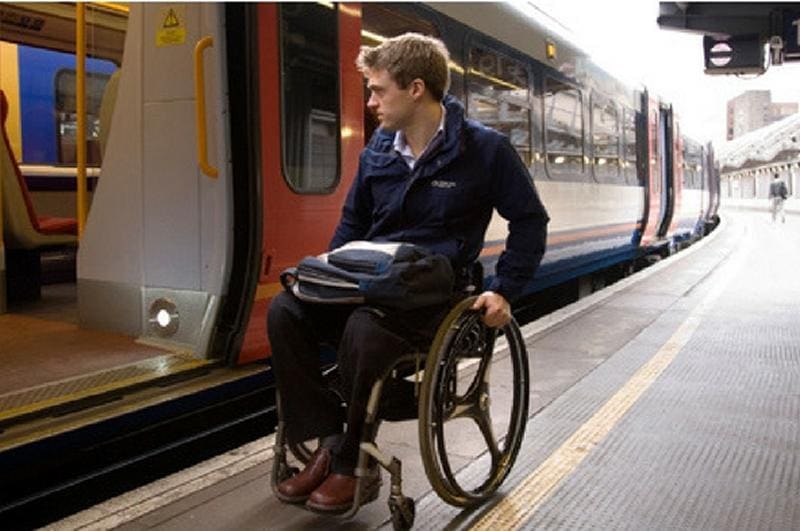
(777, 195)
(427, 177)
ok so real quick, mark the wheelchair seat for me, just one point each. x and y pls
(448, 384)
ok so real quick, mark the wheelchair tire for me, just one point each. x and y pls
(462, 335)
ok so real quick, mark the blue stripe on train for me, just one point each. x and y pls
(580, 260)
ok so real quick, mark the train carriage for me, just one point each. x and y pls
(224, 139)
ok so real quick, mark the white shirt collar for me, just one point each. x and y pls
(402, 147)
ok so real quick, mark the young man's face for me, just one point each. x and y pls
(391, 104)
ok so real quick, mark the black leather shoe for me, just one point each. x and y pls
(337, 493)
(299, 487)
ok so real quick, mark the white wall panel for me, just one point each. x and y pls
(170, 69)
(171, 196)
(111, 248)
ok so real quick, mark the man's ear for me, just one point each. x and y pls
(417, 88)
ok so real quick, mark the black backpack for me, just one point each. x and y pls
(393, 275)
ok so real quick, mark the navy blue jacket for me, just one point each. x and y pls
(445, 204)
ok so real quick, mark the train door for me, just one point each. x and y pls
(154, 260)
(676, 179)
(651, 127)
(311, 121)
(667, 151)
(711, 177)
(702, 177)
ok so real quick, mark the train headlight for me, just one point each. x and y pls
(163, 317)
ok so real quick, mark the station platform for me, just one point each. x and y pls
(669, 400)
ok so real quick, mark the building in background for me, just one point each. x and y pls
(753, 110)
(748, 163)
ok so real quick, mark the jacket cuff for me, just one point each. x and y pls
(498, 286)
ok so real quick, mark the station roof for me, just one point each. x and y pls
(777, 142)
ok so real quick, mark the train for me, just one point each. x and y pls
(222, 140)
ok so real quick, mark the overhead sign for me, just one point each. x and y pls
(741, 54)
(791, 35)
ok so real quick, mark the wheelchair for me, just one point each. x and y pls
(450, 384)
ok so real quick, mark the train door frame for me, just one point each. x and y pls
(293, 223)
(157, 212)
(666, 140)
(241, 37)
(651, 166)
(712, 179)
(675, 176)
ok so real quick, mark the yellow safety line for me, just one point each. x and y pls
(526, 498)
(120, 384)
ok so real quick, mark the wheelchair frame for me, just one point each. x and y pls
(461, 336)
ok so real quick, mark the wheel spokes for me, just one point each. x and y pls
(484, 422)
(464, 338)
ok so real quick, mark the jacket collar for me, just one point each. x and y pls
(382, 142)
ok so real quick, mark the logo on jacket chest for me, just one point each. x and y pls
(442, 184)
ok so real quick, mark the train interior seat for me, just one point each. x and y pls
(23, 229)
(25, 233)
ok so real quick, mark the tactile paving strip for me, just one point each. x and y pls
(712, 444)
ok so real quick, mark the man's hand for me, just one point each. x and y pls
(497, 309)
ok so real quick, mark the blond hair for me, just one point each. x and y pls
(408, 57)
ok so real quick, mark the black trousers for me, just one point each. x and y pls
(368, 341)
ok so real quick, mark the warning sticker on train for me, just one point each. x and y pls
(170, 30)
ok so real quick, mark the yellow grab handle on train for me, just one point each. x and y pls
(200, 106)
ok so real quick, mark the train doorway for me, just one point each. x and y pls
(667, 167)
(137, 299)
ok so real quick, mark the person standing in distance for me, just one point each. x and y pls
(430, 177)
(777, 196)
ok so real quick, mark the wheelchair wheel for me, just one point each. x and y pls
(461, 342)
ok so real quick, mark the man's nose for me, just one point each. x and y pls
(372, 102)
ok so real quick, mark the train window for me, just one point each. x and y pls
(563, 118)
(698, 168)
(629, 146)
(310, 96)
(688, 166)
(692, 167)
(66, 116)
(605, 140)
(498, 96)
(655, 152)
(379, 23)
(45, 99)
